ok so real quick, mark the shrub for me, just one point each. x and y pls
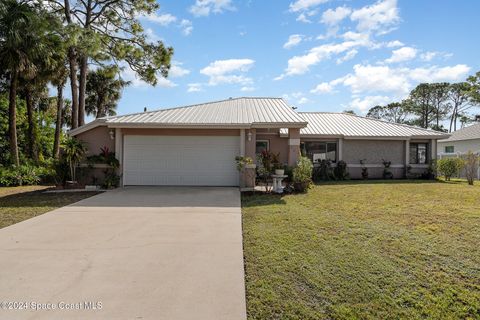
(323, 171)
(471, 162)
(449, 167)
(302, 174)
(19, 176)
(340, 171)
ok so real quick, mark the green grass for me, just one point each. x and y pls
(21, 203)
(364, 250)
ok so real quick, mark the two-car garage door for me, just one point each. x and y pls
(180, 160)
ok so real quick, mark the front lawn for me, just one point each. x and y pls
(364, 250)
(21, 203)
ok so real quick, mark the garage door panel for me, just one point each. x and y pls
(180, 160)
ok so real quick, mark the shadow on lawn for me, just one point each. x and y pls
(377, 181)
(41, 199)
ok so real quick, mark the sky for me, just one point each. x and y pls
(320, 55)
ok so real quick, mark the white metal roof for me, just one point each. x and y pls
(240, 112)
(468, 133)
(352, 126)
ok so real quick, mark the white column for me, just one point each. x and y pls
(242, 142)
(340, 149)
(118, 145)
(119, 152)
(433, 148)
(407, 152)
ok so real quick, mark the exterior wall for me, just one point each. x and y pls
(462, 146)
(277, 144)
(97, 138)
(373, 151)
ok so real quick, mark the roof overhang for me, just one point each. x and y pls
(89, 126)
(104, 122)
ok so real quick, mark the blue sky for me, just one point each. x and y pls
(321, 55)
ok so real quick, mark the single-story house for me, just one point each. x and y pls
(197, 144)
(461, 141)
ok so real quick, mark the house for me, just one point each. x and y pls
(461, 141)
(197, 144)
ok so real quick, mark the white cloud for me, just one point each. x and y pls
(438, 74)
(399, 81)
(301, 64)
(186, 26)
(303, 18)
(151, 36)
(365, 103)
(195, 87)
(296, 97)
(293, 40)
(322, 88)
(247, 89)
(348, 56)
(393, 44)
(203, 8)
(128, 74)
(228, 71)
(303, 100)
(402, 54)
(332, 17)
(176, 70)
(301, 5)
(376, 17)
(162, 19)
(367, 78)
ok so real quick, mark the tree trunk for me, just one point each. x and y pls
(31, 131)
(72, 57)
(82, 89)
(58, 124)
(12, 119)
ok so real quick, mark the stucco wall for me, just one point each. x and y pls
(95, 139)
(374, 151)
(277, 145)
(460, 146)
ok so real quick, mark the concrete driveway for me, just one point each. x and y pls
(133, 253)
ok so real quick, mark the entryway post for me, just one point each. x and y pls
(293, 146)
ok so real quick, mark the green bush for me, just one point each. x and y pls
(21, 175)
(341, 171)
(449, 167)
(302, 174)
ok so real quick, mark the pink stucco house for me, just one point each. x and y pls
(197, 144)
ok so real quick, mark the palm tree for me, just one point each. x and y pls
(74, 151)
(17, 48)
(104, 90)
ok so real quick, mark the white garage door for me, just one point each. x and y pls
(180, 160)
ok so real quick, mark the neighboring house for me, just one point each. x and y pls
(197, 144)
(461, 142)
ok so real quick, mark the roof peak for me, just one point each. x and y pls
(192, 105)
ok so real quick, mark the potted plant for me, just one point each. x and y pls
(302, 174)
(364, 169)
(245, 163)
(277, 166)
(387, 174)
